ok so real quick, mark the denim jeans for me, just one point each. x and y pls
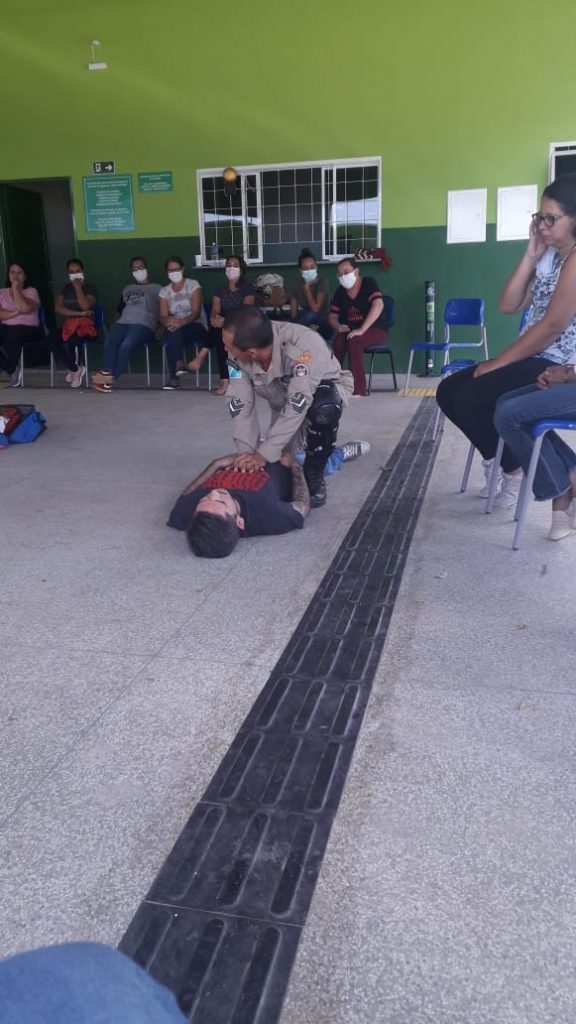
(176, 341)
(308, 319)
(516, 413)
(81, 983)
(121, 341)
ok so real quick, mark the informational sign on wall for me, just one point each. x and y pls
(108, 203)
(103, 167)
(155, 181)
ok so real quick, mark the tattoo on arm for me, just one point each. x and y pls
(300, 493)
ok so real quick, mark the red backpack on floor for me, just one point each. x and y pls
(20, 424)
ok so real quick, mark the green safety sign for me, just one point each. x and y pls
(108, 203)
(155, 181)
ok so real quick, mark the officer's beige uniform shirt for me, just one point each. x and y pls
(300, 360)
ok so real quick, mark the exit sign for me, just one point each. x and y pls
(103, 167)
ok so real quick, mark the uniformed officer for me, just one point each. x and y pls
(292, 368)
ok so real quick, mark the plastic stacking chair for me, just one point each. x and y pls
(384, 350)
(538, 432)
(42, 325)
(461, 313)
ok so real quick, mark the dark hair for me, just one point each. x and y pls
(142, 260)
(211, 536)
(15, 263)
(306, 254)
(347, 259)
(250, 326)
(74, 260)
(241, 261)
(173, 259)
(563, 192)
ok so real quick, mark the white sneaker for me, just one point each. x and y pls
(487, 466)
(78, 376)
(354, 449)
(562, 523)
(510, 490)
(69, 376)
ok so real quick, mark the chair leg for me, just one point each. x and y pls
(209, 370)
(438, 423)
(163, 365)
(467, 469)
(522, 506)
(494, 477)
(393, 368)
(369, 388)
(86, 364)
(51, 369)
(147, 365)
(409, 371)
(22, 367)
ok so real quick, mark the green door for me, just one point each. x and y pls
(23, 237)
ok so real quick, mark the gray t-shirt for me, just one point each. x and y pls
(139, 305)
(296, 291)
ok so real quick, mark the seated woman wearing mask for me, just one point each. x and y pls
(182, 314)
(136, 325)
(308, 294)
(357, 314)
(19, 319)
(235, 292)
(75, 304)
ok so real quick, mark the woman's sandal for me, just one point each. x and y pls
(220, 390)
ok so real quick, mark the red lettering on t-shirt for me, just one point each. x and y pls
(231, 480)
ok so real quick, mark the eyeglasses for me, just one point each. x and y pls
(549, 219)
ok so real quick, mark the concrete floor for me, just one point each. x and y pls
(127, 666)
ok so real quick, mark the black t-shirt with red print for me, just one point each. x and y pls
(263, 495)
(354, 311)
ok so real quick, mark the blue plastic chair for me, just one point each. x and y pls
(384, 350)
(538, 432)
(461, 313)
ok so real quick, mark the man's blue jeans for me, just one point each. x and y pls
(176, 341)
(121, 341)
(517, 411)
(81, 983)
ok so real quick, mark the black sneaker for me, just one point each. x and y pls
(318, 498)
(171, 385)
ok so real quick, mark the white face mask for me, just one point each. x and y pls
(76, 277)
(309, 275)
(175, 276)
(140, 275)
(232, 273)
(347, 280)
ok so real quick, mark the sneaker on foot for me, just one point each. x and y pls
(508, 494)
(563, 524)
(68, 377)
(102, 377)
(171, 385)
(487, 467)
(77, 376)
(181, 372)
(354, 449)
(101, 387)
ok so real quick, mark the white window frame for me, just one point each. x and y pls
(257, 169)
(558, 147)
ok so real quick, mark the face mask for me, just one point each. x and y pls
(232, 273)
(309, 275)
(347, 280)
(76, 277)
(140, 275)
(175, 276)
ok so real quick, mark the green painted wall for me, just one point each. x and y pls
(450, 95)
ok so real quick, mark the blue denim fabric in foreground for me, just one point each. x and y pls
(515, 415)
(121, 341)
(81, 983)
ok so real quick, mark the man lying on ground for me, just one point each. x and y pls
(223, 504)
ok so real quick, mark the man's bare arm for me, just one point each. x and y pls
(220, 463)
(300, 493)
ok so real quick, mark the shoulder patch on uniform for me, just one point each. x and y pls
(301, 370)
(298, 401)
(235, 406)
